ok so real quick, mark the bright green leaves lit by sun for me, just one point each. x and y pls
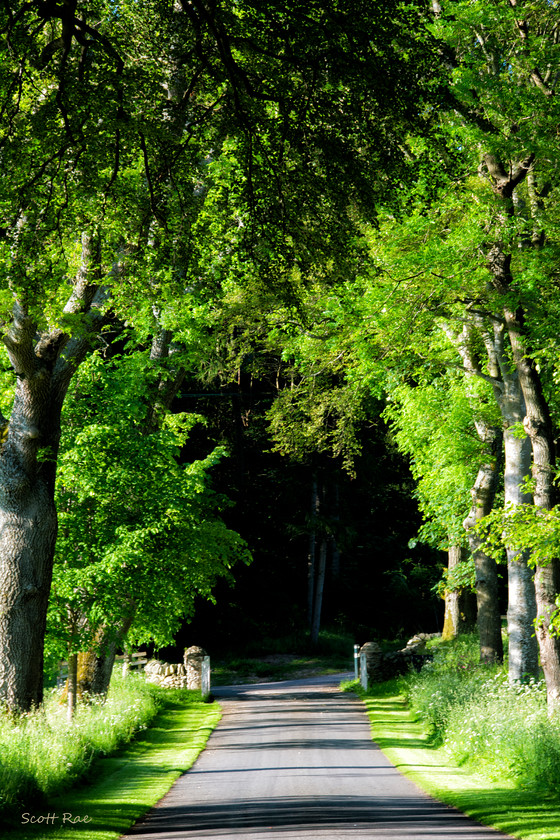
(138, 529)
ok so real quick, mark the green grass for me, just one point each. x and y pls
(41, 754)
(122, 787)
(468, 738)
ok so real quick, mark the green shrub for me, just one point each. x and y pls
(41, 754)
(452, 679)
(507, 729)
(485, 721)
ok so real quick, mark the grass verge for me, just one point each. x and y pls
(408, 743)
(121, 788)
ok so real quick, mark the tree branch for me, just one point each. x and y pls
(19, 343)
(506, 182)
(84, 289)
(76, 349)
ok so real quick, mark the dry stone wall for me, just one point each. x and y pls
(186, 674)
(166, 674)
(384, 666)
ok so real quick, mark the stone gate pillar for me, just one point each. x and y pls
(193, 659)
(372, 654)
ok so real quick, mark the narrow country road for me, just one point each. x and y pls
(296, 760)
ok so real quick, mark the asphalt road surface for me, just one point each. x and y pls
(296, 760)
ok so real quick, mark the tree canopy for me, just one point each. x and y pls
(332, 231)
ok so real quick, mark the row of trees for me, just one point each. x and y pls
(362, 197)
(151, 154)
(449, 308)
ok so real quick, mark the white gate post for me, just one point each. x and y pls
(205, 678)
(363, 670)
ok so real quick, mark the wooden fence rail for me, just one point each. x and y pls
(130, 662)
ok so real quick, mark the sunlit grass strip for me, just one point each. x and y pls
(407, 743)
(126, 785)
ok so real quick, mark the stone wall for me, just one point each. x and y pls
(186, 674)
(384, 666)
(166, 674)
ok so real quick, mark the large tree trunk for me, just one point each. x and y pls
(488, 618)
(537, 422)
(483, 495)
(457, 618)
(538, 426)
(43, 367)
(28, 521)
(522, 606)
(27, 538)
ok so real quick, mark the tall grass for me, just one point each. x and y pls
(483, 720)
(41, 754)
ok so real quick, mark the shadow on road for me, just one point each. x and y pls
(400, 818)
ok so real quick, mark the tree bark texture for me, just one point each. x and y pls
(95, 667)
(28, 521)
(43, 365)
(522, 606)
(104, 659)
(483, 495)
(538, 426)
(457, 618)
(487, 596)
(537, 421)
(72, 686)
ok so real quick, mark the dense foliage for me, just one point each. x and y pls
(42, 757)
(483, 720)
(332, 233)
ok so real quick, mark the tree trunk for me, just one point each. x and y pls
(28, 521)
(522, 604)
(538, 426)
(483, 494)
(318, 604)
(537, 421)
(95, 667)
(488, 610)
(311, 559)
(27, 538)
(455, 620)
(72, 692)
(43, 367)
